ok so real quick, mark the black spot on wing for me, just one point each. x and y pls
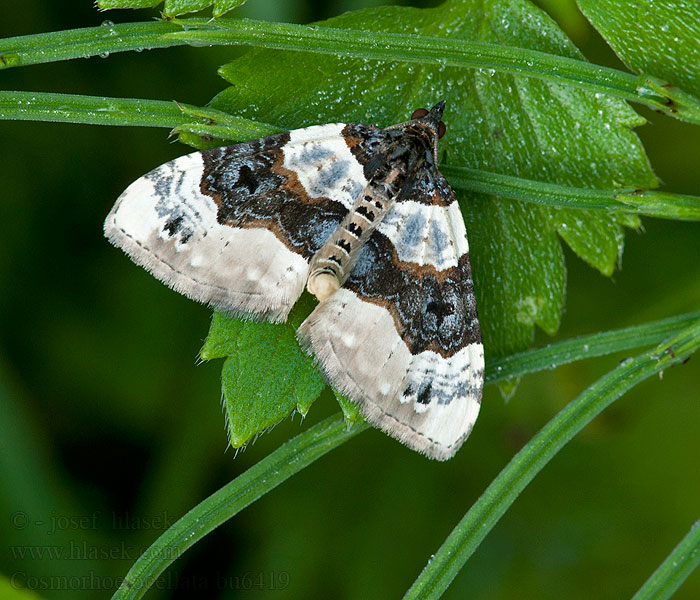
(424, 394)
(247, 179)
(438, 310)
(236, 174)
(176, 224)
(172, 225)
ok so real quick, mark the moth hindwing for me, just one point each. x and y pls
(364, 219)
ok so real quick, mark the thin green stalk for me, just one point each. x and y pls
(92, 41)
(664, 205)
(97, 110)
(586, 346)
(67, 108)
(682, 561)
(500, 495)
(288, 459)
(49, 47)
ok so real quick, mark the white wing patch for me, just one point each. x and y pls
(342, 178)
(365, 358)
(426, 234)
(232, 269)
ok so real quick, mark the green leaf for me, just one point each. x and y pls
(223, 6)
(180, 7)
(351, 410)
(109, 4)
(658, 38)
(498, 122)
(266, 375)
(173, 8)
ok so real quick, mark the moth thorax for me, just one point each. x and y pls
(323, 284)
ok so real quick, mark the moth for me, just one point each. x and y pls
(362, 218)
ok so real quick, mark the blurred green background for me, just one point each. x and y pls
(109, 430)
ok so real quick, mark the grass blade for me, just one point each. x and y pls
(682, 561)
(310, 445)
(100, 110)
(586, 346)
(664, 205)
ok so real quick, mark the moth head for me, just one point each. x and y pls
(432, 118)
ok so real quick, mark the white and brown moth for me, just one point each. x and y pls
(363, 219)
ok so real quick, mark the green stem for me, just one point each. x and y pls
(40, 106)
(91, 41)
(586, 346)
(97, 110)
(674, 570)
(288, 459)
(664, 205)
(502, 492)
(42, 48)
